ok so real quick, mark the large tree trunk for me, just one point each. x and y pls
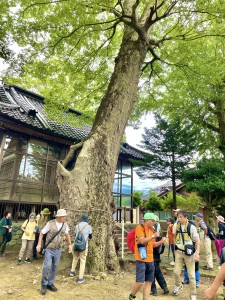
(87, 186)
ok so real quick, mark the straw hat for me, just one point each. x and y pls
(220, 219)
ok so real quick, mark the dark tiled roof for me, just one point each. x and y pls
(27, 108)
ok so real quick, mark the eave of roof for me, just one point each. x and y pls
(25, 110)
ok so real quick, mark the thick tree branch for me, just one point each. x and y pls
(63, 171)
(210, 126)
(71, 154)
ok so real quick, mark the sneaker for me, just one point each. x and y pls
(166, 291)
(207, 268)
(52, 288)
(27, 260)
(193, 297)
(153, 293)
(197, 285)
(185, 282)
(131, 297)
(72, 274)
(43, 289)
(177, 290)
(80, 280)
(19, 262)
(172, 263)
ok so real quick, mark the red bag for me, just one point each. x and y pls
(131, 240)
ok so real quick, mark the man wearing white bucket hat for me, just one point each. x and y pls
(55, 231)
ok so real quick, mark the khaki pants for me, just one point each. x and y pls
(79, 255)
(27, 246)
(180, 259)
(206, 245)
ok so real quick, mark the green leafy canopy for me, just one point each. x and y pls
(68, 47)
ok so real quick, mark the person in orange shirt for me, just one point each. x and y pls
(145, 269)
(170, 237)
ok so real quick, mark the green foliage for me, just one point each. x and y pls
(207, 178)
(194, 89)
(137, 199)
(5, 38)
(170, 147)
(189, 203)
(68, 50)
(153, 202)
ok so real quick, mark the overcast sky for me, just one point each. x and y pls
(133, 138)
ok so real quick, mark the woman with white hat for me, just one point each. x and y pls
(221, 227)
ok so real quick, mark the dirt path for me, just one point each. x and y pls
(23, 282)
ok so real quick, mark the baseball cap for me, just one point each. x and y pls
(198, 215)
(150, 216)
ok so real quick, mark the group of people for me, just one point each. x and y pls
(45, 236)
(184, 239)
(40, 234)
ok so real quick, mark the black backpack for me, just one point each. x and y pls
(210, 233)
(160, 249)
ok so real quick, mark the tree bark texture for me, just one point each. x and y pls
(87, 187)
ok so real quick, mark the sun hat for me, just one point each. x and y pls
(220, 219)
(32, 215)
(61, 213)
(150, 216)
(178, 209)
(198, 215)
(45, 211)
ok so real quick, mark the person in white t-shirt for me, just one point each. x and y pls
(55, 231)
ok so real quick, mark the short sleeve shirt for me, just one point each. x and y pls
(170, 234)
(193, 232)
(58, 225)
(202, 225)
(85, 228)
(30, 227)
(144, 232)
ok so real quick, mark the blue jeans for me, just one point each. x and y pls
(51, 261)
(197, 274)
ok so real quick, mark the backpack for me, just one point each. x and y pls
(131, 239)
(160, 249)
(188, 229)
(210, 233)
(80, 241)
